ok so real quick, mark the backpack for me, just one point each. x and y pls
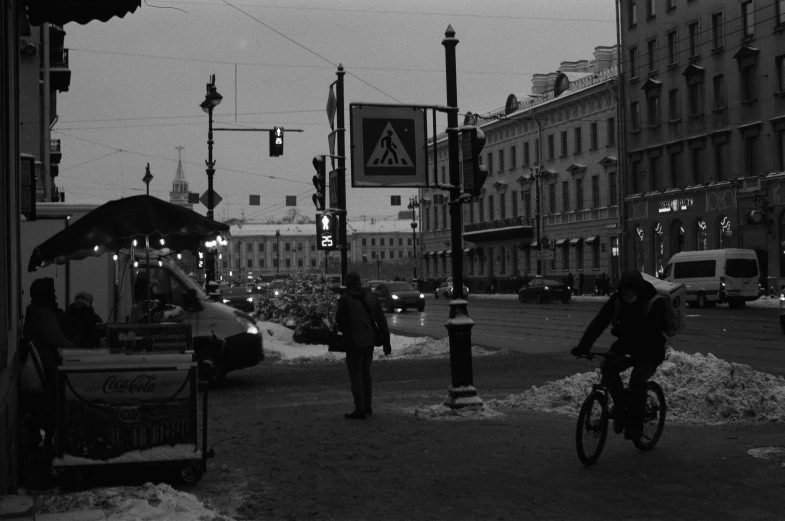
(675, 296)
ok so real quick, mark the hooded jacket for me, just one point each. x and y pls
(354, 322)
(638, 326)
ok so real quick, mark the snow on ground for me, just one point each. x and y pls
(698, 389)
(761, 303)
(146, 503)
(278, 339)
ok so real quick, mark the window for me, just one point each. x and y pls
(300, 263)
(565, 196)
(551, 147)
(633, 61)
(313, 246)
(443, 178)
(579, 255)
(249, 247)
(514, 200)
(696, 98)
(650, 11)
(697, 162)
(694, 269)
(261, 247)
(261, 263)
(612, 189)
(400, 241)
(491, 209)
(780, 62)
(672, 38)
(750, 154)
(716, 30)
(651, 46)
(364, 242)
(635, 113)
(722, 160)
(674, 114)
(552, 197)
(632, 12)
(381, 254)
(747, 19)
(565, 256)
(275, 263)
(275, 247)
(490, 163)
(408, 242)
(611, 138)
(501, 160)
(719, 92)
(513, 158)
(579, 194)
(674, 159)
(595, 191)
(527, 200)
(593, 138)
(249, 263)
(634, 171)
(299, 246)
(526, 154)
(287, 246)
(564, 147)
(373, 242)
(654, 172)
(288, 263)
(779, 5)
(749, 82)
(313, 262)
(694, 29)
(381, 242)
(578, 140)
(502, 206)
(653, 108)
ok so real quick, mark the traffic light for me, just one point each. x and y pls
(319, 182)
(326, 231)
(276, 142)
(474, 174)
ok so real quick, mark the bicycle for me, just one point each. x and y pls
(592, 428)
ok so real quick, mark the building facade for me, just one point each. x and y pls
(553, 153)
(384, 249)
(704, 110)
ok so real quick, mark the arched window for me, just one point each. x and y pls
(702, 235)
(659, 249)
(725, 232)
(676, 237)
(640, 257)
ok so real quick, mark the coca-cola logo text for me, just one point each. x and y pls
(142, 383)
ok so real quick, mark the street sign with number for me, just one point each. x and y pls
(326, 231)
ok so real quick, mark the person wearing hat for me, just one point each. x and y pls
(359, 314)
(82, 319)
(638, 322)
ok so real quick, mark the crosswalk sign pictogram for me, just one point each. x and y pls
(388, 145)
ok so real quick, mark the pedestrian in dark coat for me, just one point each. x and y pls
(83, 319)
(359, 313)
(580, 284)
(570, 280)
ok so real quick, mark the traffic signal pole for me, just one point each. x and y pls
(341, 174)
(461, 392)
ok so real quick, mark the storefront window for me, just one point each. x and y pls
(702, 235)
(726, 234)
(659, 250)
(639, 254)
(676, 237)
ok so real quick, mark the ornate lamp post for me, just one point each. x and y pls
(414, 203)
(278, 251)
(147, 178)
(538, 172)
(211, 100)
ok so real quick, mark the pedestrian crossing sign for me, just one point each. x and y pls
(388, 146)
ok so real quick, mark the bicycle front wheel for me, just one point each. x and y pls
(653, 417)
(592, 428)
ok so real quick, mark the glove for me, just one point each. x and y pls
(387, 349)
(578, 351)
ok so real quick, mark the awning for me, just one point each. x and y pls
(589, 240)
(560, 242)
(448, 253)
(468, 251)
(575, 241)
(60, 12)
(439, 253)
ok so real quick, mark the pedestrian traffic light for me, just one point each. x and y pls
(474, 173)
(276, 142)
(326, 231)
(319, 182)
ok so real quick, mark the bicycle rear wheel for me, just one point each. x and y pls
(592, 428)
(653, 417)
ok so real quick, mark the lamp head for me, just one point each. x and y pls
(212, 99)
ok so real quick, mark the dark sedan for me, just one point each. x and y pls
(398, 295)
(239, 298)
(543, 290)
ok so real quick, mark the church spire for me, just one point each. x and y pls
(179, 193)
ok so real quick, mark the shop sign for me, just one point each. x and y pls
(675, 205)
(113, 385)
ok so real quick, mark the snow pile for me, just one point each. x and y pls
(442, 412)
(148, 502)
(698, 389)
(279, 339)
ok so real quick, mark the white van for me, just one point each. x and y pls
(716, 276)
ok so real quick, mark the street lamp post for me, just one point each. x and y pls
(414, 203)
(211, 100)
(278, 251)
(147, 178)
(538, 172)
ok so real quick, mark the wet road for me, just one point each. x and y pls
(748, 335)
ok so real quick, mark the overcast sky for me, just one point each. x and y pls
(137, 83)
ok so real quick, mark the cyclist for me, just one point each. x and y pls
(638, 321)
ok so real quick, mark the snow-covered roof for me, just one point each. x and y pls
(383, 226)
(262, 230)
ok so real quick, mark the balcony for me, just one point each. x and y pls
(54, 151)
(59, 73)
(500, 229)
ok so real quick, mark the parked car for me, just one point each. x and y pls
(239, 298)
(543, 290)
(397, 295)
(446, 290)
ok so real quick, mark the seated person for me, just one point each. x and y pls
(82, 319)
